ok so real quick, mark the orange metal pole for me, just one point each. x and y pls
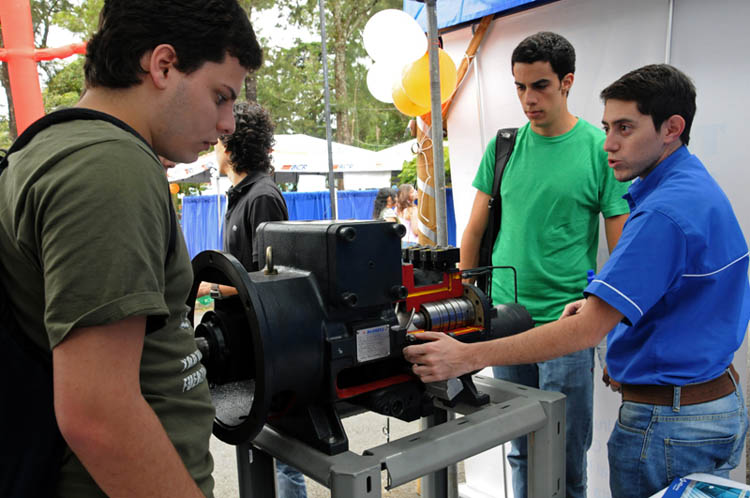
(18, 38)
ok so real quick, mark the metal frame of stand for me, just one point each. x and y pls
(514, 411)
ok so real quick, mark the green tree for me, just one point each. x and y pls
(65, 86)
(290, 86)
(250, 6)
(82, 18)
(345, 20)
(409, 173)
(5, 140)
(290, 83)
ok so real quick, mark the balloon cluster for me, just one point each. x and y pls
(401, 72)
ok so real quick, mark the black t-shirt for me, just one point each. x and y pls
(254, 200)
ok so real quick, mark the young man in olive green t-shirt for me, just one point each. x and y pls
(84, 232)
(555, 184)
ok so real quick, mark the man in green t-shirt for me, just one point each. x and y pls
(555, 184)
(85, 233)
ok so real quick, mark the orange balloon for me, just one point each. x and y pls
(416, 79)
(404, 104)
(174, 188)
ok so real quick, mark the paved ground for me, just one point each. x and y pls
(364, 431)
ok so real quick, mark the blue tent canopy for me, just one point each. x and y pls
(457, 12)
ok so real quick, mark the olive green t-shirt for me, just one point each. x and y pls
(553, 190)
(84, 234)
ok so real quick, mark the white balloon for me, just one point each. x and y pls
(380, 80)
(392, 35)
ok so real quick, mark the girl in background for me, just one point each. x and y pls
(406, 212)
(383, 207)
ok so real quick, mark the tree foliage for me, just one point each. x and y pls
(81, 19)
(291, 86)
(65, 87)
(290, 82)
(409, 172)
(344, 21)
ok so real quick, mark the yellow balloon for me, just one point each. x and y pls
(416, 79)
(404, 105)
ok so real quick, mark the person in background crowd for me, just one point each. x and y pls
(408, 214)
(245, 158)
(384, 206)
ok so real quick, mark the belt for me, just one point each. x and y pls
(690, 394)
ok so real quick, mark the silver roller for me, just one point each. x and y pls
(448, 314)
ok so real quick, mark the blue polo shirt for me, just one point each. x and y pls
(679, 275)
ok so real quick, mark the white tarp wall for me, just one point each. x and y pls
(363, 181)
(311, 183)
(709, 41)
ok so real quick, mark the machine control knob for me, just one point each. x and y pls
(399, 292)
(349, 298)
(399, 230)
(349, 234)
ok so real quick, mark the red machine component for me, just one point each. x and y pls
(455, 305)
(451, 286)
(440, 302)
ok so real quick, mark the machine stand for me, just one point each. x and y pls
(513, 411)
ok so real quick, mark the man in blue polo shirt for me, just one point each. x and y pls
(676, 287)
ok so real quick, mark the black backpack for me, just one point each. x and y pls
(506, 139)
(31, 446)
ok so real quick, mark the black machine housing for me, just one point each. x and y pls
(322, 327)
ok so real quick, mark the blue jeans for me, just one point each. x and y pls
(291, 481)
(572, 375)
(651, 444)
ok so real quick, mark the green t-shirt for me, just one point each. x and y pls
(84, 233)
(553, 190)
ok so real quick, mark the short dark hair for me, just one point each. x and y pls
(199, 30)
(659, 91)
(249, 147)
(546, 47)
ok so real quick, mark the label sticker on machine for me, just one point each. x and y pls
(373, 343)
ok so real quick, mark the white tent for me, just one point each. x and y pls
(393, 157)
(306, 155)
(198, 171)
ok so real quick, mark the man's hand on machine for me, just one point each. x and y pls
(440, 357)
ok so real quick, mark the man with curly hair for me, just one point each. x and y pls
(245, 157)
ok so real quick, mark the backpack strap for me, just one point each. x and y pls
(504, 143)
(61, 116)
(78, 113)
